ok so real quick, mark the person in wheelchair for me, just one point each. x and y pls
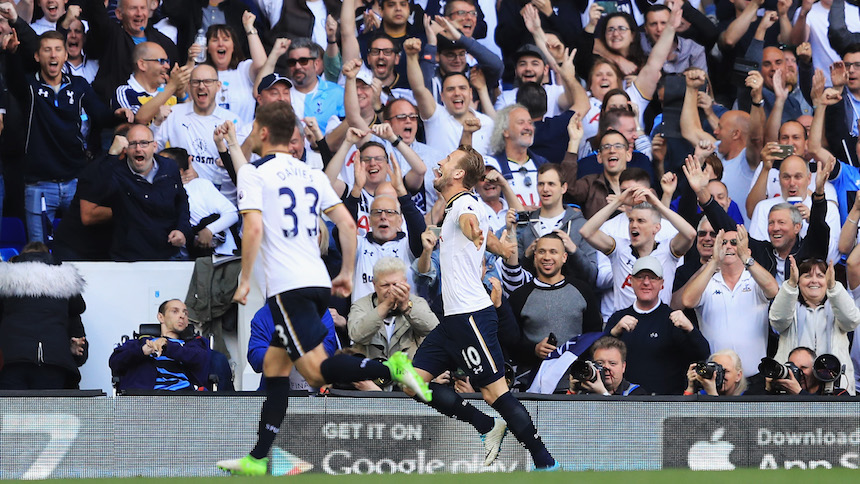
(169, 361)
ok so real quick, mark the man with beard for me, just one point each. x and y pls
(530, 67)
(467, 337)
(512, 136)
(554, 217)
(552, 303)
(190, 126)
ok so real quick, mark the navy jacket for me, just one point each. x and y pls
(143, 213)
(53, 143)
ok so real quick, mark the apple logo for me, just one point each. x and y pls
(711, 455)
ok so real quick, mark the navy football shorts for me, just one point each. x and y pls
(467, 341)
(298, 319)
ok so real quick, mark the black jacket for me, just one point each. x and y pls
(187, 17)
(40, 310)
(113, 46)
(143, 213)
(814, 245)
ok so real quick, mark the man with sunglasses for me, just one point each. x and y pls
(731, 296)
(190, 126)
(312, 95)
(151, 84)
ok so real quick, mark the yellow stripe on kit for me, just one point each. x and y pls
(290, 328)
(483, 344)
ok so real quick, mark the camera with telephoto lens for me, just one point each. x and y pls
(711, 370)
(828, 370)
(771, 368)
(585, 370)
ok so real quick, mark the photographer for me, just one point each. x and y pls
(609, 360)
(726, 379)
(802, 359)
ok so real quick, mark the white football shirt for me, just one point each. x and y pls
(291, 195)
(461, 263)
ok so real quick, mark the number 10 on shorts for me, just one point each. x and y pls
(472, 359)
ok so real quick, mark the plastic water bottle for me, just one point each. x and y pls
(200, 39)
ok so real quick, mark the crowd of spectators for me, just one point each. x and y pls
(680, 176)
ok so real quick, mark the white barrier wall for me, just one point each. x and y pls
(120, 296)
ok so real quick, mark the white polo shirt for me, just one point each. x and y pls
(735, 319)
(443, 131)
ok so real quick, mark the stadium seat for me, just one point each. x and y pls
(12, 233)
(7, 253)
(219, 366)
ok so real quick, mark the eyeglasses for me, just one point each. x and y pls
(616, 146)
(160, 60)
(454, 55)
(303, 61)
(612, 30)
(378, 159)
(403, 117)
(703, 233)
(849, 65)
(734, 242)
(375, 51)
(142, 144)
(464, 13)
(649, 277)
(377, 212)
(527, 181)
(205, 82)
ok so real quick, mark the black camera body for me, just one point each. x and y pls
(585, 370)
(712, 370)
(771, 368)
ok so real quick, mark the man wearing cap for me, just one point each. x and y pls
(455, 52)
(273, 87)
(731, 295)
(151, 84)
(660, 342)
(530, 67)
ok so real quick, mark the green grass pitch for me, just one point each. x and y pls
(817, 476)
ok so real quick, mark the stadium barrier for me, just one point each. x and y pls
(161, 435)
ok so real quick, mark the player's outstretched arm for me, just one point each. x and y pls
(472, 228)
(341, 285)
(252, 237)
